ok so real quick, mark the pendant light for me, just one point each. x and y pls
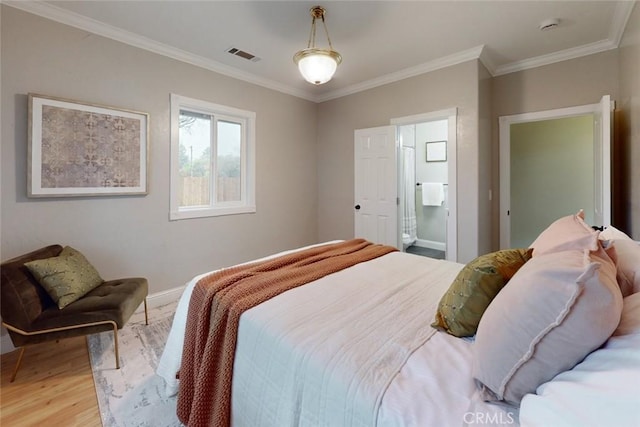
(317, 65)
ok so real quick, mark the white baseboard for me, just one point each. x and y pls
(440, 246)
(153, 300)
(162, 298)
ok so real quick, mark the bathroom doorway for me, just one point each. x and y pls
(426, 184)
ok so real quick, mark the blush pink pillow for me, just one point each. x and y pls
(555, 310)
(567, 233)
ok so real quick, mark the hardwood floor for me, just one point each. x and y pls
(54, 386)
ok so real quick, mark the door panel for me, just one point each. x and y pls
(602, 164)
(375, 207)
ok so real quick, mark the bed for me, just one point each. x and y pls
(357, 347)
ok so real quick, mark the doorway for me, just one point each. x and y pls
(552, 164)
(427, 184)
(379, 180)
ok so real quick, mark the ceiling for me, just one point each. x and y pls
(380, 41)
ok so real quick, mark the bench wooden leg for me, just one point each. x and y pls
(146, 314)
(15, 370)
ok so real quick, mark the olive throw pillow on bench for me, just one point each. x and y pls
(477, 284)
(66, 277)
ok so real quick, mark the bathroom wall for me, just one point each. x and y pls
(431, 220)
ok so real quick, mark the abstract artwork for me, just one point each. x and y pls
(78, 149)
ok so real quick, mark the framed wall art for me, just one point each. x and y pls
(436, 151)
(81, 149)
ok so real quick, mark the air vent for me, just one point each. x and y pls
(242, 54)
(549, 24)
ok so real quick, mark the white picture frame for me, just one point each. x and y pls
(436, 151)
(82, 149)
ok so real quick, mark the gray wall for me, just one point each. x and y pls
(431, 220)
(125, 236)
(627, 152)
(304, 151)
(569, 83)
(455, 86)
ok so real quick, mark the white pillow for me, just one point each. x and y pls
(603, 390)
(627, 258)
(612, 233)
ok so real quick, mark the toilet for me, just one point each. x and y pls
(407, 240)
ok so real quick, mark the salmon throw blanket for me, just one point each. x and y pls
(218, 300)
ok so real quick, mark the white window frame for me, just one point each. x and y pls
(247, 119)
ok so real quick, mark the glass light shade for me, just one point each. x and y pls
(317, 66)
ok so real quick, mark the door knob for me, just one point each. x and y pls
(357, 207)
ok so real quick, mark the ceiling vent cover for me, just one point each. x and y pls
(549, 24)
(242, 54)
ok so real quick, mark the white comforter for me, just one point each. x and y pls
(297, 362)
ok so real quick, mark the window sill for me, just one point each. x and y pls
(204, 213)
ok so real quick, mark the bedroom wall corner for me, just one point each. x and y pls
(486, 162)
(455, 86)
(132, 236)
(627, 155)
(574, 82)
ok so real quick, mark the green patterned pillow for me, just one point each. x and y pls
(462, 306)
(67, 277)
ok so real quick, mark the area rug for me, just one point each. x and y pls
(133, 396)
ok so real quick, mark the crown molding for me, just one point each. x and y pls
(73, 19)
(487, 61)
(620, 19)
(621, 16)
(447, 61)
(554, 57)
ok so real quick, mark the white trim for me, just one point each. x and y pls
(504, 123)
(620, 18)
(606, 109)
(247, 119)
(437, 64)
(451, 115)
(76, 20)
(487, 62)
(552, 58)
(159, 299)
(425, 117)
(430, 244)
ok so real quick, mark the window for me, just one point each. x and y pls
(212, 159)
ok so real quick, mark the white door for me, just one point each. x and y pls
(376, 192)
(602, 160)
(601, 113)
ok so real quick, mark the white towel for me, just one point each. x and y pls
(432, 193)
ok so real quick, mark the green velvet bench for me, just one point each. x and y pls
(32, 316)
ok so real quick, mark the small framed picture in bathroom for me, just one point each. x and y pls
(436, 151)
